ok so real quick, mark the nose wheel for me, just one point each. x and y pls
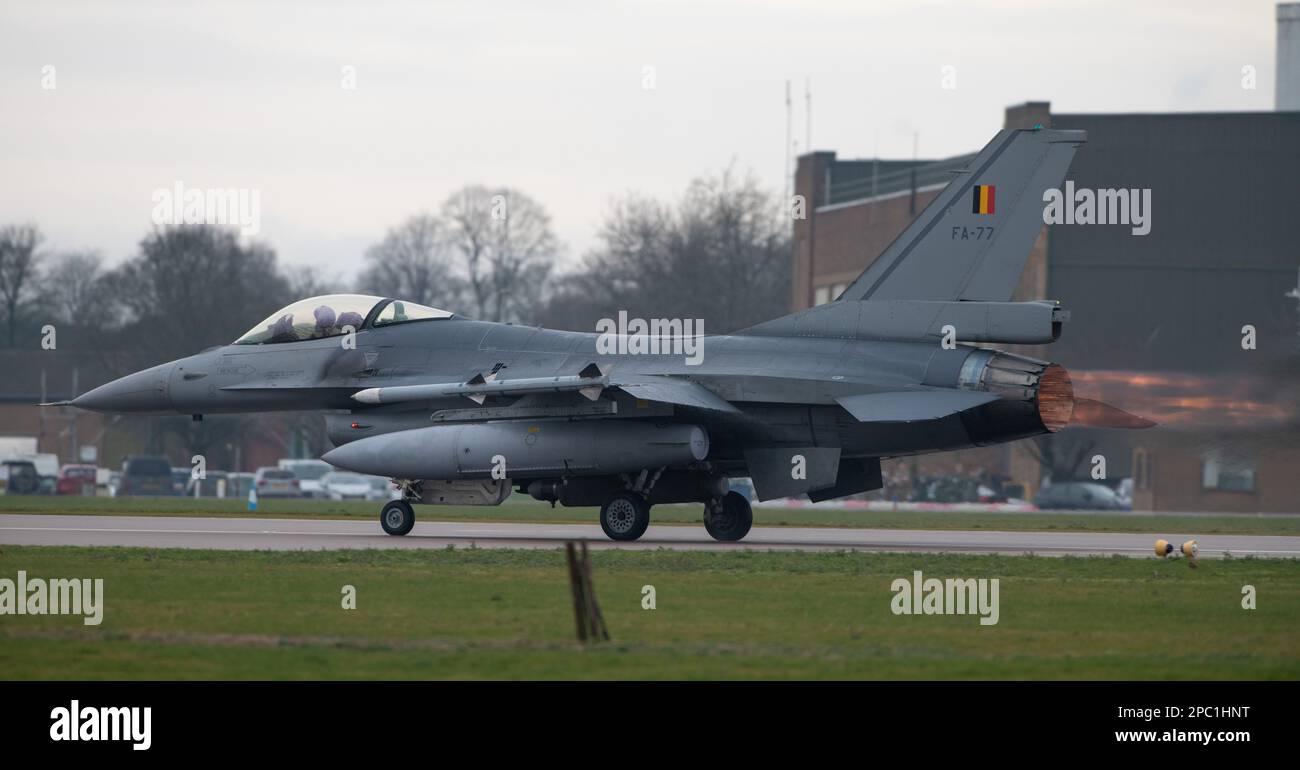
(625, 516)
(728, 518)
(397, 517)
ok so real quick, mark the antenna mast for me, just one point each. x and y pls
(789, 169)
(807, 96)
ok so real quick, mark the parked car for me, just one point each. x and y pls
(956, 489)
(76, 480)
(276, 482)
(146, 475)
(308, 473)
(19, 477)
(341, 485)
(47, 469)
(1078, 495)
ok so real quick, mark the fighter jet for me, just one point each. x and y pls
(460, 411)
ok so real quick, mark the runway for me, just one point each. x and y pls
(318, 534)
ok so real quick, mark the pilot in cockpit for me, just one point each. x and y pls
(282, 330)
(350, 318)
(325, 320)
(332, 315)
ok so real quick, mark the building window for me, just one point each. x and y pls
(1228, 473)
(821, 295)
(838, 289)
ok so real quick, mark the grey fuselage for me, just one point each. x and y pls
(784, 387)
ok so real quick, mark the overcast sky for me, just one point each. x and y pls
(547, 97)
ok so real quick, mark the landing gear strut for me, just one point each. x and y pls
(397, 517)
(728, 518)
(625, 516)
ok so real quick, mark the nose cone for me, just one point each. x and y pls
(405, 454)
(363, 456)
(142, 392)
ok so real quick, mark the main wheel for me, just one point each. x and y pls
(397, 518)
(625, 516)
(729, 519)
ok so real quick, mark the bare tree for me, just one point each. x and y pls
(19, 261)
(194, 286)
(721, 254)
(742, 240)
(191, 287)
(413, 262)
(309, 281)
(73, 289)
(506, 248)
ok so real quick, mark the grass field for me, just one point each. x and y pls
(508, 614)
(519, 508)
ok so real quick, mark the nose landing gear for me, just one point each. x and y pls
(397, 517)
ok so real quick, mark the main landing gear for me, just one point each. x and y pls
(625, 516)
(728, 518)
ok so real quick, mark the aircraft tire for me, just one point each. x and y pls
(625, 516)
(730, 519)
(397, 517)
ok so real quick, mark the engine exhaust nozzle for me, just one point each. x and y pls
(1055, 398)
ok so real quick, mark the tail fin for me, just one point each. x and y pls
(972, 241)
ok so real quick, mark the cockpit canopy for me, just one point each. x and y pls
(334, 314)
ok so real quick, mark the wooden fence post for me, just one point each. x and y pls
(586, 610)
(575, 585)
(594, 615)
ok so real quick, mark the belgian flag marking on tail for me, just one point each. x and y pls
(982, 199)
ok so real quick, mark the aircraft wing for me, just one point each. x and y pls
(913, 405)
(674, 391)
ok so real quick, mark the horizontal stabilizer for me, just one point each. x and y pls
(1017, 323)
(912, 406)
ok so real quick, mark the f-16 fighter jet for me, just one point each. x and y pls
(459, 411)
